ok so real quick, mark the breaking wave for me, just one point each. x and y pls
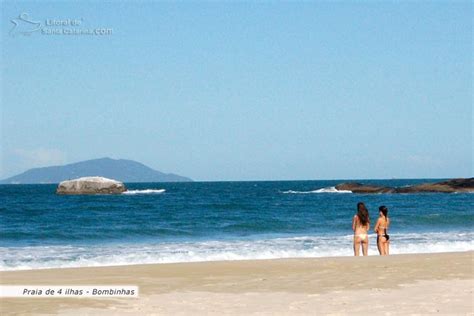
(323, 190)
(56, 256)
(146, 191)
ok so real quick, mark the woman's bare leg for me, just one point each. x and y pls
(380, 246)
(365, 246)
(356, 246)
(387, 246)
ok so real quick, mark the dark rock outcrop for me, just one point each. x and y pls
(356, 187)
(449, 186)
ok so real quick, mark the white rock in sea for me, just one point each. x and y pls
(91, 185)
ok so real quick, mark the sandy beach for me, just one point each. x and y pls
(395, 285)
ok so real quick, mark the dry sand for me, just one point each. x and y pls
(393, 285)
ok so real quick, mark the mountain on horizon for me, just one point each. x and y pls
(118, 169)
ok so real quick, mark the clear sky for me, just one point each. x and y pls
(242, 91)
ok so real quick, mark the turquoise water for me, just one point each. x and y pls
(200, 221)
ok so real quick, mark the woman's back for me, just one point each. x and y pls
(358, 227)
(382, 225)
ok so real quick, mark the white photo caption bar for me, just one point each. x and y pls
(73, 291)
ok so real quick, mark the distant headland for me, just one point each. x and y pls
(125, 170)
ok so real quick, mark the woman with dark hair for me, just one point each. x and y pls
(361, 226)
(380, 229)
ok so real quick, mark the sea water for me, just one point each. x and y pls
(207, 221)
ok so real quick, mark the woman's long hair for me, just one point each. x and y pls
(384, 211)
(363, 214)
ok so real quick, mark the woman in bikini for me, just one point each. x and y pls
(361, 226)
(380, 229)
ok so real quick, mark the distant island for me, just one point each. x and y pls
(122, 169)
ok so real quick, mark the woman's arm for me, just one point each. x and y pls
(354, 220)
(377, 226)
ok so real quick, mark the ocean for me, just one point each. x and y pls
(208, 221)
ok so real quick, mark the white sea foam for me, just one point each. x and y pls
(322, 190)
(146, 191)
(41, 257)
(332, 190)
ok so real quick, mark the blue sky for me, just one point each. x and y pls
(243, 91)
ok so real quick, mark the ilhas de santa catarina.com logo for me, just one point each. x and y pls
(24, 25)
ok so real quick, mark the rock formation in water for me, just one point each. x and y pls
(91, 185)
(449, 186)
(356, 187)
